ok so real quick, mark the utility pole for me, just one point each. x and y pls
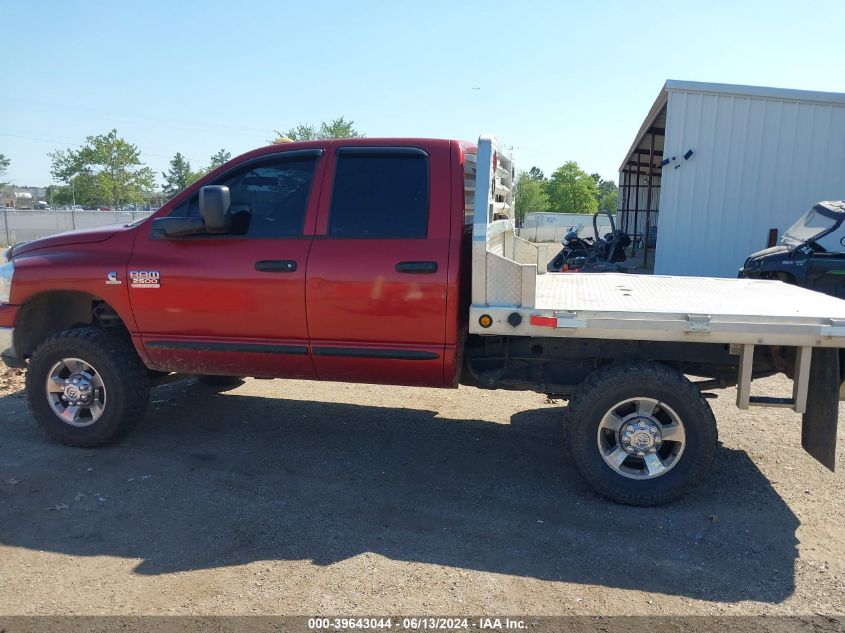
(73, 208)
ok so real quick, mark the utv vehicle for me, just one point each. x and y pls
(811, 253)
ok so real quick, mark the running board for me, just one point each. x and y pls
(800, 382)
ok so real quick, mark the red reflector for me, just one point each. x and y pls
(543, 321)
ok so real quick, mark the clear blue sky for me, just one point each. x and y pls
(557, 80)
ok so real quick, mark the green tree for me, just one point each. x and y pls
(608, 200)
(302, 132)
(59, 195)
(4, 165)
(572, 190)
(337, 128)
(530, 194)
(178, 176)
(106, 169)
(606, 193)
(535, 173)
(219, 158)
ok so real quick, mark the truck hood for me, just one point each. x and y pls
(769, 251)
(82, 236)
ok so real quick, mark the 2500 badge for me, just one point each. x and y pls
(144, 279)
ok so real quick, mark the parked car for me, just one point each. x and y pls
(811, 253)
(394, 261)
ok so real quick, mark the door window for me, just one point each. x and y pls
(268, 200)
(380, 195)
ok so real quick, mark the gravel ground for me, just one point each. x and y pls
(288, 497)
(11, 380)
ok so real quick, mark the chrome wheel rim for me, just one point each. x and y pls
(75, 392)
(641, 438)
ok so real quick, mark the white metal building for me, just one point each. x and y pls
(724, 166)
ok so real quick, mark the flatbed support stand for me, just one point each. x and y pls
(800, 382)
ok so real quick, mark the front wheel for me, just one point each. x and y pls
(640, 433)
(86, 387)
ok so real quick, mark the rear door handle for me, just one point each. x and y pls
(276, 266)
(417, 268)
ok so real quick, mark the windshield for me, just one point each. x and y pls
(808, 226)
(572, 234)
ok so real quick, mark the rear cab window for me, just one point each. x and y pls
(380, 193)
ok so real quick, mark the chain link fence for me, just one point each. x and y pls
(25, 225)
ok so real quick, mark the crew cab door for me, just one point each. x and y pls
(377, 270)
(234, 303)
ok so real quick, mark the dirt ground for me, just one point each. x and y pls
(11, 380)
(287, 497)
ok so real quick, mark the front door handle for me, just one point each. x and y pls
(276, 266)
(417, 268)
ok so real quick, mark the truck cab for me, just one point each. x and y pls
(331, 260)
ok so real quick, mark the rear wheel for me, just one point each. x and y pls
(86, 387)
(640, 433)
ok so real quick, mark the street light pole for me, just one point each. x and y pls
(73, 208)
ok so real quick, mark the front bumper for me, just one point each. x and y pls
(7, 348)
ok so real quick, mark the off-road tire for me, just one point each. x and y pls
(605, 387)
(221, 382)
(124, 377)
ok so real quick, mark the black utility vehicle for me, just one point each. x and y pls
(589, 255)
(811, 253)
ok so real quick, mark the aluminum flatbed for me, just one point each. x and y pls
(663, 308)
(513, 296)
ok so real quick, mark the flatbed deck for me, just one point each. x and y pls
(660, 308)
(608, 305)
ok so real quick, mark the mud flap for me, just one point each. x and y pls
(818, 425)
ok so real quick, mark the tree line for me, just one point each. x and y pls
(180, 174)
(569, 190)
(108, 170)
(4, 165)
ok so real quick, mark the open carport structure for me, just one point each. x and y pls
(726, 169)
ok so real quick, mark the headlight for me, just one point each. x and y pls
(753, 264)
(6, 272)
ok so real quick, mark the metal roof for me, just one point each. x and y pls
(756, 91)
(759, 92)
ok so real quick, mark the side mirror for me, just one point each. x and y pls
(177, 227)
(214, 206)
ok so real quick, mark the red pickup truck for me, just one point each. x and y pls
(395, 261)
